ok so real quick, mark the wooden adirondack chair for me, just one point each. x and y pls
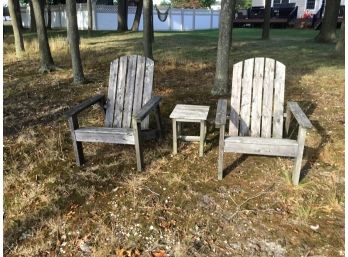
(256, 114)
(126, 109)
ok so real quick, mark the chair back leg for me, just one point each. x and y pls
(159, 122)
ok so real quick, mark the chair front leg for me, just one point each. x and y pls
(221, 152)
(138, 144)
(298, 159)
(78, 149)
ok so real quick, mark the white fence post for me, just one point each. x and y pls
(94, 15)
(194, 19)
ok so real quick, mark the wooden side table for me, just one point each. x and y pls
(189, 113)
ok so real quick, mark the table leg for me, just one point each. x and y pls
(175, 137)
(202, 137)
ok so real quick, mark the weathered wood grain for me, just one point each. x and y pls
(235, 98)
(299, 115)
(121, 88)
(256, 108)
(129, 92)
(261, 146)
(268, 86)
(111, 98)
(147, 91)
(247, 80)
(190, 112)
(278, 109)
(105, 135)
(221, 111)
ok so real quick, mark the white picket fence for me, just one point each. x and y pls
(105, 18)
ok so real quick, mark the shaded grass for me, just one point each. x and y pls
(51, 206)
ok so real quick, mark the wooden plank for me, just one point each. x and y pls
(189, 138)
(175, 137)
(221, 152)
(247, 80)
(298, 160)
(121, 86)
(201, 139)
(267, 98)
(111, 99)
(138, 144)
(105, 135)
(261, 146)
(139, 84)
(235, 98)
(299, 115)
(221, 110)
(147, 91)
(147, 108)
(190, 112)
(78, 149)
(278, 108)
(129, 94)
(256, 108)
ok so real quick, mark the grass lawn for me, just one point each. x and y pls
(53, 208)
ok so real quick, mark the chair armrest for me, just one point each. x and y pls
(85, 104)
(220, 118)
(147, 108)
(299, 115)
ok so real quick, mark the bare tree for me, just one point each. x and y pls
(74, 40)
(122, 13)
(90, 19)
(224, 46)
(327, 32)
(266, 20)
(147, 29)
(17, 30)
(32, 17)
(49, 15)
(340, 49)
(46, 60)
(136, 22)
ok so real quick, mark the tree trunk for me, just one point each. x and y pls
(340, 43)
(74, 40)
(17, 30)
(122, 13)
(147, 29)
(136, 22)
(32, 17)
(223, 50)
(18, 13)
(90, 19)
(151, 16)
(46, 60)
(49, 15)
(328, 28)
(266, 20)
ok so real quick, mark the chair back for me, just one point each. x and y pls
(130, 87)
(257, 98)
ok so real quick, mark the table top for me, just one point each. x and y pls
(190, 112)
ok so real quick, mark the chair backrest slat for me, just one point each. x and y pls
(235, 98)
(267, 101)
(148, 81)
(278, 110)
(247, 82)
(130, 87)
(109, 117)
(121, 88)
(129, 92)
(257, 98)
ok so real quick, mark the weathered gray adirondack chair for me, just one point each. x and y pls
(256, 114)
(126, 109)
